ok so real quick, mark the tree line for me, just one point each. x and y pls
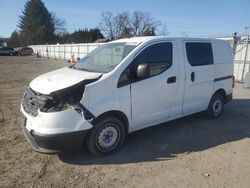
(37, 25)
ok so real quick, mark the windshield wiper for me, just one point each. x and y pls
(72, 66)
(84, 69)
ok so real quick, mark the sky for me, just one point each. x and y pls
(196, 18)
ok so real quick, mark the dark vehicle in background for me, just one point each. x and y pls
(23, 51)
(7, 51)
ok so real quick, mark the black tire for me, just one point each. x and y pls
(103, 134)
(216, 106)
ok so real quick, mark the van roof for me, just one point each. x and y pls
(149, 38)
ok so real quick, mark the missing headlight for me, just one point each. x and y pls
(84, 112)
(66, 98)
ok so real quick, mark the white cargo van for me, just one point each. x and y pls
(124, 86)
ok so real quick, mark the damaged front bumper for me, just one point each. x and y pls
(55, 131)
(54, 143)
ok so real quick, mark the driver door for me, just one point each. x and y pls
(153, 97)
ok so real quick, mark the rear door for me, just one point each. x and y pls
(199, 76)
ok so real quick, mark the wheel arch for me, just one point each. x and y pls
(115, 113)
(222, 92)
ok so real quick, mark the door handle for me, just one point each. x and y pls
(192, 77)
(171, 80)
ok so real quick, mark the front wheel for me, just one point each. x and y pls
(107, 136)
(216, 106)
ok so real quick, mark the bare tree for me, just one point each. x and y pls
(142, 23)
(122, 29)
(107, 24)
(127, 25)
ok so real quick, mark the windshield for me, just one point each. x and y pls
(104, 58)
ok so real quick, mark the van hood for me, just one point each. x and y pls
(60, 79)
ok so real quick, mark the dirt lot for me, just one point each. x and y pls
(190, 152)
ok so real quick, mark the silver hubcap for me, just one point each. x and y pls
(107, 137)
(217, 107)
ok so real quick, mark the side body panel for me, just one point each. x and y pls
(199, 89)
(223, 59)
(152, 101)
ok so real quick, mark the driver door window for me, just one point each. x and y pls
(157, 56)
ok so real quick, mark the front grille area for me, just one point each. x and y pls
(32, 101)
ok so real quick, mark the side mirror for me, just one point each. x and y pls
(142, 71)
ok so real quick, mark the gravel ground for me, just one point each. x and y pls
(189, 152)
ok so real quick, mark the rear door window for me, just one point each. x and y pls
(199, 53)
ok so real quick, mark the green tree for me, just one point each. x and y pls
(94, 34)
(82, 36)
(14, 40)
(36, 24)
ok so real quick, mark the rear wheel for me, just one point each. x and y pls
(107, 136)
(216, 106)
